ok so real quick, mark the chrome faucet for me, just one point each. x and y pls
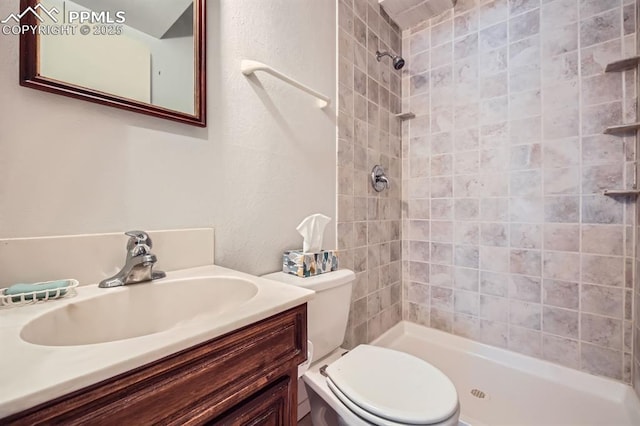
(139, 264)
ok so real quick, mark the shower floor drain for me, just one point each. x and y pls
(479, 394)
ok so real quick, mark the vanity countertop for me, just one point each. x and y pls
(33, 374)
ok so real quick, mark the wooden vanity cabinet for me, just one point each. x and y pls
(247, 377)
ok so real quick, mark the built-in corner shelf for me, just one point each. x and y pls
(623, 128)
(406, 116)
(621, 192)
(618, 66)
(623, 64)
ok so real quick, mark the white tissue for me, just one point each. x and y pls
(312, 230)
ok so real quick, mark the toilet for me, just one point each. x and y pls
(368, 385)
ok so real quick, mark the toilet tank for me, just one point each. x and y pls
(328, 311)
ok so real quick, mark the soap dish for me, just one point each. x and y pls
(42, 295)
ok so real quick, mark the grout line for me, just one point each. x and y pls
(634, 231)
(580, 209)
(634, 264)
(542, 185)
(509, 188)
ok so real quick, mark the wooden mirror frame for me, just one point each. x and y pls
(29, 74)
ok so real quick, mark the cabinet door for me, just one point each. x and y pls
(271, 407)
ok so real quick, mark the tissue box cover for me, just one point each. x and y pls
(302, 264)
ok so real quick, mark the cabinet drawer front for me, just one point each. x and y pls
(198, 383)
(269, 408)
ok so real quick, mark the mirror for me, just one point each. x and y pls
(146, 56)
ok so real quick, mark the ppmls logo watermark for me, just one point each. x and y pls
(53, 22)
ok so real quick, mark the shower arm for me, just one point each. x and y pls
(380, 55)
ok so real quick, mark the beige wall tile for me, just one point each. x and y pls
(601, 28)
(526, 341)
(526, 262)
(560, 237)
(603, 270)
(560, 322)
(525, 314)
(601, 361)
(495, 284)
(494, 333)
(601, 300)
(561, 294)
(601, 331)
(561, 266)
(603, 239)
(526, 289)
(561, 351)
(494, 308)
(526, 236)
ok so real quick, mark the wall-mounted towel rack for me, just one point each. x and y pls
(248, 67)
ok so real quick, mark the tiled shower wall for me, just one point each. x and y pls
(507, 238)
(369, 223)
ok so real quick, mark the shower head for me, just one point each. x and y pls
(398, 62)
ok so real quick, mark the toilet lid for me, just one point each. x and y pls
(394, 385)
(375, 420)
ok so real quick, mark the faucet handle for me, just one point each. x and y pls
(139, 243)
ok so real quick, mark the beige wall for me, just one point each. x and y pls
(266, 160)
(510, 241)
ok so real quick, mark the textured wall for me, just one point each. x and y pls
(369, 134)
(266, 160)
(508, 239)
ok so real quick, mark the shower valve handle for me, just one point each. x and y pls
(379, 180)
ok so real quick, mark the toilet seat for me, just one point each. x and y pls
(390, 388)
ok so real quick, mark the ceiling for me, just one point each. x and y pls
(409, 13)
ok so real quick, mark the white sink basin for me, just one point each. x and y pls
(137, 310)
